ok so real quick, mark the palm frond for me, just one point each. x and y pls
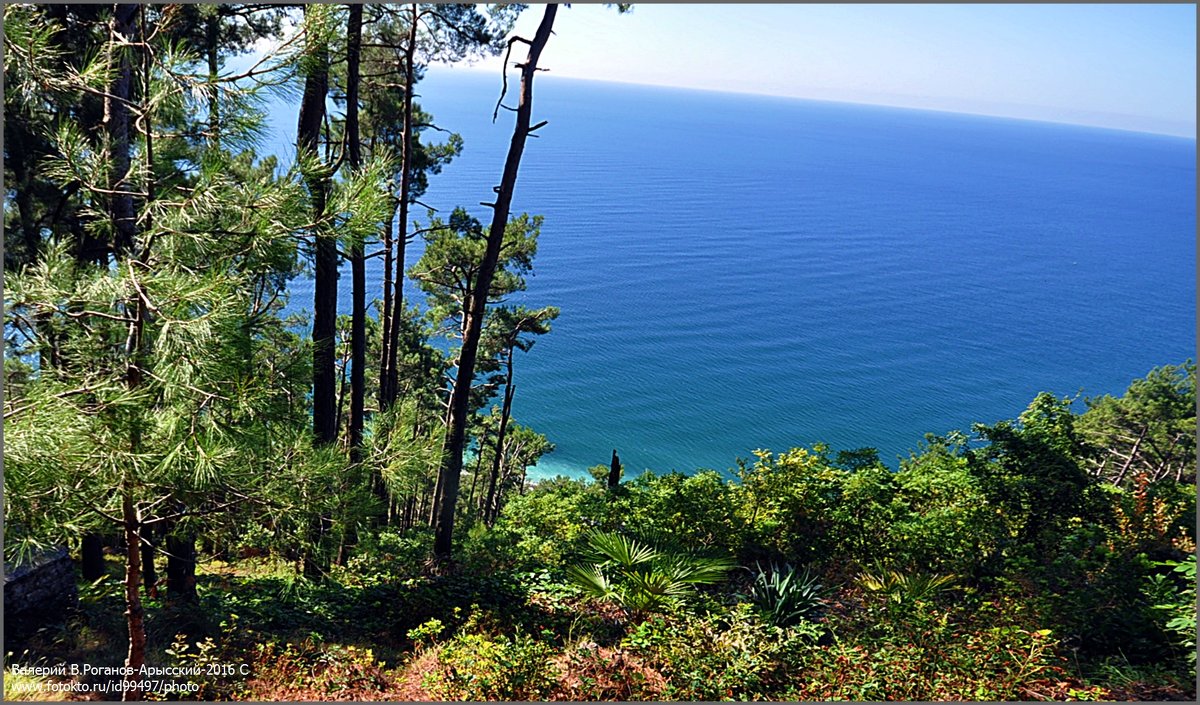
(619, 549)
(592, 579)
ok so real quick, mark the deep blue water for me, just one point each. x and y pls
(740, 272)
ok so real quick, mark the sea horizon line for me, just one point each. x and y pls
(478, 69)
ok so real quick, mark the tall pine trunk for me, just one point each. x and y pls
(452, 452)
(312, 114)
(385, 316)
(358, 274)
(181, 568)
(389, 375)
(124, 222)
(91, 555)
(135, 614)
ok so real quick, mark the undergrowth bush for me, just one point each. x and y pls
(385, 557)
(643, 576)
(730, 655)
(541, 528)
(594, 672)
(996, 663)
(308, 671)
(1174, 598)
(478, 666)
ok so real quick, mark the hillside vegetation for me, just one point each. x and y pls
(278, 506)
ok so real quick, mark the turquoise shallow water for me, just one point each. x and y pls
(740, 272)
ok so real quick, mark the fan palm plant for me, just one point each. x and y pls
(907, 588)
(640, 576)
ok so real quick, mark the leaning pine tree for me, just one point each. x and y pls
(450, 472)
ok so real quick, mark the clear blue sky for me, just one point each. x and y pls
(1122, 66)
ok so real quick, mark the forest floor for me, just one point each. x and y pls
(362, 642)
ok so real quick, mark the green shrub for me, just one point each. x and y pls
(255, 540)
(696, 510)
(906, 589)
(385, 557)
(311, 671)
(1177, 605)
(542, 528)
(947, 525)
(728, 655)
(946, 663)
(788, 504)
(479, 667)
(427, 633)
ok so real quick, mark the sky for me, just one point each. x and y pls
(1129, 67)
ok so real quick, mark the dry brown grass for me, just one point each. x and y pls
(592, 672)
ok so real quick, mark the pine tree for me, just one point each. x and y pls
(411, 36)
(508, 328)
(475, 304)
(179, 382)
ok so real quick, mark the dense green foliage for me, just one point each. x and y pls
(159, 406)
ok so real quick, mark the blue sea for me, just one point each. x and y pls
(739, 272)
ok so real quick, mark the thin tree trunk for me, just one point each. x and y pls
(341, 397)
(358, 272)
(475, 475)
(312, 560)
(308, 133)
(385, 317)
(124, 223)
(471, 500)
(211, 35)
(436, 500)
(340, 558)
(390, 382)
(1129, 461)
(134, 613)
(116, 119)
(451, 466)
(490, 509)
(149, 573)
